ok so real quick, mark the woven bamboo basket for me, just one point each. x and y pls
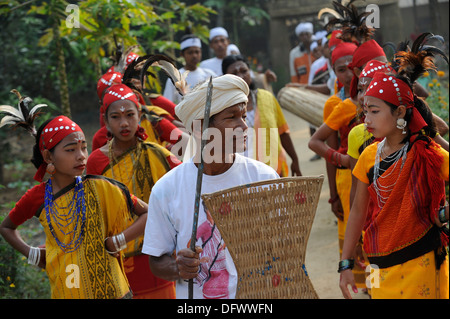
(304, 103)
(266, 226)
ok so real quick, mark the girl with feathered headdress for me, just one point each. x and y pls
(402, 178)
(130, 159)
(86, 219)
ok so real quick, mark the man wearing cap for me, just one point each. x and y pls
(171, 206)
(218, 42)
(191, 51)
(300, 57)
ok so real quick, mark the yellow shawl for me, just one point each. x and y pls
(138, 169)
(268, 114)
(89, 272)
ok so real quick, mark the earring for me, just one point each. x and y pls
(401, 125)
(51, 169)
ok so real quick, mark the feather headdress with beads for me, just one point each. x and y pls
(21, 116)
(347, 17)
(121, 56)
(139, 69)
(414, 61)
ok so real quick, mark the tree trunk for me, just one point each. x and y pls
(62, 75)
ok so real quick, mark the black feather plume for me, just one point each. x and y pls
(412, 63)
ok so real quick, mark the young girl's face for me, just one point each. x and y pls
(380, 119)
(363, 84)
(70, 155)
(343, 73)
(122, 120)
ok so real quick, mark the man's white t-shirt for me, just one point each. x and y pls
(170, 220)
(213, 64)
(193, 78)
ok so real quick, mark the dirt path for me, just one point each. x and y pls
(322, 255)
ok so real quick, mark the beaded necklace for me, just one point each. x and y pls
(135, 155)
(380, 176)
(76, 211)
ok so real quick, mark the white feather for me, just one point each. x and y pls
(11, 110)
(36, 107)
(8, 120)
(330, 11)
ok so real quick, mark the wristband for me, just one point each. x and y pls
(34, 256)
(118, 242)
(346, 264)
(334, 157)
(441, 215)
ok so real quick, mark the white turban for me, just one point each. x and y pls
(233, 49)
(304, 27)
(215, 32)
(191, 42)
(228, 90)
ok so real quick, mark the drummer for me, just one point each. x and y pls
(169, 226)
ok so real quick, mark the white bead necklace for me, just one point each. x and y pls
(380, 187)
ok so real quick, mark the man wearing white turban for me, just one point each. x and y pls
(218, 42)
(300, 58)
(171, 205)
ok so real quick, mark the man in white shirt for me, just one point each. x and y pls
(191, 51)
(171, 205)
(218, 41)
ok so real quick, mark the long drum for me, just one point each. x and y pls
(304, 103)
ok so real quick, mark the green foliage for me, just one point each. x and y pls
(438, 100)
(18, 279)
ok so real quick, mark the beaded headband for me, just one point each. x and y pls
(395, 91)
(53, 133)
(106, 81)
(375, 66)
(119, 92)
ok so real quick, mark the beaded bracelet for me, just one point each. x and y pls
(346, 264)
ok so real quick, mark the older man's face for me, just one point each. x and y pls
(232, 127)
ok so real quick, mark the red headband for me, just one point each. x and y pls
(334, 39)
(53, 133)
(119, 92)
(106, 81)
(341, 50)
(365, 52)
(130, 58)
(375, 66)
(395, 91)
